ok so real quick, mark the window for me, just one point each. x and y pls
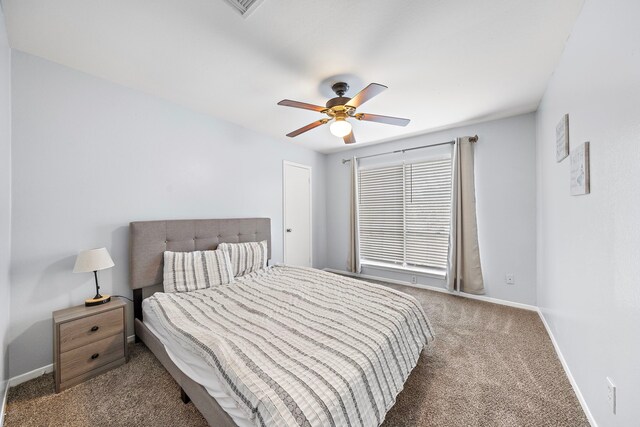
(404, 214)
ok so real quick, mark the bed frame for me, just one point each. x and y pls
(147, 242)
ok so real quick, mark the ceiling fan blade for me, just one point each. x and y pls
(350, 139)
(387, 120)
(366, 94)
(307, 128)
(303, 105)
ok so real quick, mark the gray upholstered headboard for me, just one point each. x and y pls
(149, 239)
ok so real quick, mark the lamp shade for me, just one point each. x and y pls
(93, 260)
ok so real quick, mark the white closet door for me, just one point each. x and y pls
(297, 214)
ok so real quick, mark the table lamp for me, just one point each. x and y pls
(94, 260)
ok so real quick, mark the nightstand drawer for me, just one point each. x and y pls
(91, 356)
(77, 333)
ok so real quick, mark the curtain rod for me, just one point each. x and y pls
(472, 139)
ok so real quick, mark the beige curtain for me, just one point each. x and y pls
(464, 272)
(354, 231)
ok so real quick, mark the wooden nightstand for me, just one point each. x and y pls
(88, 341)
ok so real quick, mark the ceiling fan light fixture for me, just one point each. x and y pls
(340, 128)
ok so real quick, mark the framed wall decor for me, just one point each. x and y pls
(562, 138)
(580, 179)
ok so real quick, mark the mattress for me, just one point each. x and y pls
(294, 346)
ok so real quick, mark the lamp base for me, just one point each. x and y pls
(97, 301)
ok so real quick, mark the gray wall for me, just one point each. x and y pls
(90, 156)
(505, 188)
(5, 195)
(589, 246)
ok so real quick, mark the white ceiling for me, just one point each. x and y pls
(446, 62)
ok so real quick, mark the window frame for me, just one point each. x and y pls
(431, 271)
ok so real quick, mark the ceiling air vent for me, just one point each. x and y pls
(245, 7)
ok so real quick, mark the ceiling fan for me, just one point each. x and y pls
(341, 108)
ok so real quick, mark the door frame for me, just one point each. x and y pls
(286, 163)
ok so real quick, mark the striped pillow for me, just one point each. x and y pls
(190, 271)
(246, 257)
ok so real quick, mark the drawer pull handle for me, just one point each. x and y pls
(95, 356)
(95, 328)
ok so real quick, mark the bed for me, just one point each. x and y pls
(280, 346)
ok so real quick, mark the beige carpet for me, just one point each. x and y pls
(489, 366)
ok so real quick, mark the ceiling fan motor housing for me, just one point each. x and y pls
(337, 101)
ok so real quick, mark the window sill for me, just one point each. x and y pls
(422, 271)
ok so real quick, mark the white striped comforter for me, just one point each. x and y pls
(302, 347)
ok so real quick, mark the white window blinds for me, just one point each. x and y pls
(381, 214)
(404, 214)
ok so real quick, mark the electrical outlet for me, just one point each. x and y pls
(414, 279)
(611, 394)
(510, 279)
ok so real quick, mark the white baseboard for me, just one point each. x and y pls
(438, 289)
(19, 379)
(499, 301)
(567, 371)
(4, 388)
